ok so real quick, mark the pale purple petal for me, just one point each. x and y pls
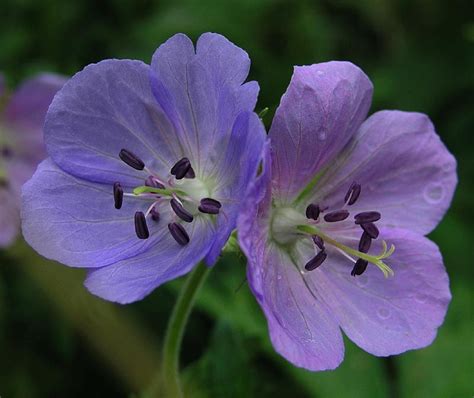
(301, 327)
(133, 278)
(104, 108)
(322, 108)
(9, 217)
(25, 113)
(75, 222)
(236, 168)
(200, 95)
(405, 171)
(389, 316)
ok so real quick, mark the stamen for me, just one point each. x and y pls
(180, 211)
(337, 215)
(365, 242)
(190, 173)
(179, 234)
(131, 159)
(352, 194)
(153, 182)
(155, 215)
(6, 151)
(367, 216)
(359, 267)
(312, 211)
(318, 241)
(316, 261)
(371, 229)
(118, 195)
(141, 229)
(181, 168)
(209, 206)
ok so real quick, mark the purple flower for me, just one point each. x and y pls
(334, 190)
(21, 144)
(148, 167)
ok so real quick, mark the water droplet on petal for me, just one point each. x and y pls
(420, 298)
(434, 193)
(279, 277)
(320, 72)
(383, 313)
(322, 135)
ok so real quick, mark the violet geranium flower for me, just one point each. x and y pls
(341, 202)
(21, 143)
(148, 167)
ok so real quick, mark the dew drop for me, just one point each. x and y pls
(420, 298)
(322, 135)
(434, 193)
(320, 72)
(279, 277)
(383, 313)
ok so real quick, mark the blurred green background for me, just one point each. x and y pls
(58, 341)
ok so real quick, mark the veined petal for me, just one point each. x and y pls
(235, 170)
(200, 94)
(387, 316)
(301, 327)
(322, 108)
(405, 171)
(104, 108)
(75, 222)
(133, 278)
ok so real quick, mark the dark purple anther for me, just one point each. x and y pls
(359, 267)
(180, 211)
(155, 215)
(118, 195)
(153, 182)
(181, 168)
(190, 173)
(371, 229)
(3, 182)
(318, 241)
(209, 206)
(179, 234)
(312, 211)
(316, 261)
(365, 242)
(141, 229)
(352, 194)
(337, 215)
(131, 159)
(367, 216)
(6, 152)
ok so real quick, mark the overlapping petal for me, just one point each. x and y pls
(323, 107)
(82, 226)
(104, 108)
(389, 316)
(133, 278)
(405, 171)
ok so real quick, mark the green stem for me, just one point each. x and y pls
(168, 379)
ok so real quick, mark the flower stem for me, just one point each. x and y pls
(167, 383)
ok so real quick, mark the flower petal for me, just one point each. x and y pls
(9, 217)
(133, 278)
(322, 108)
(25, 113)
(389, 316)
(75, 222)
(234, 172)
(201, 94)
(104, 108)
(300, 325)
(405, 171)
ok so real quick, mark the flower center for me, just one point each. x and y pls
(186, 195)
(288, 226)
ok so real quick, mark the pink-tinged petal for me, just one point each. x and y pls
(200, 94)
(133, 278)
(75, 222)
(301, 328)
(405, 171)
(323, 107)
(387, 316)
(26, 110)
(9, 217)
(107, 107)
